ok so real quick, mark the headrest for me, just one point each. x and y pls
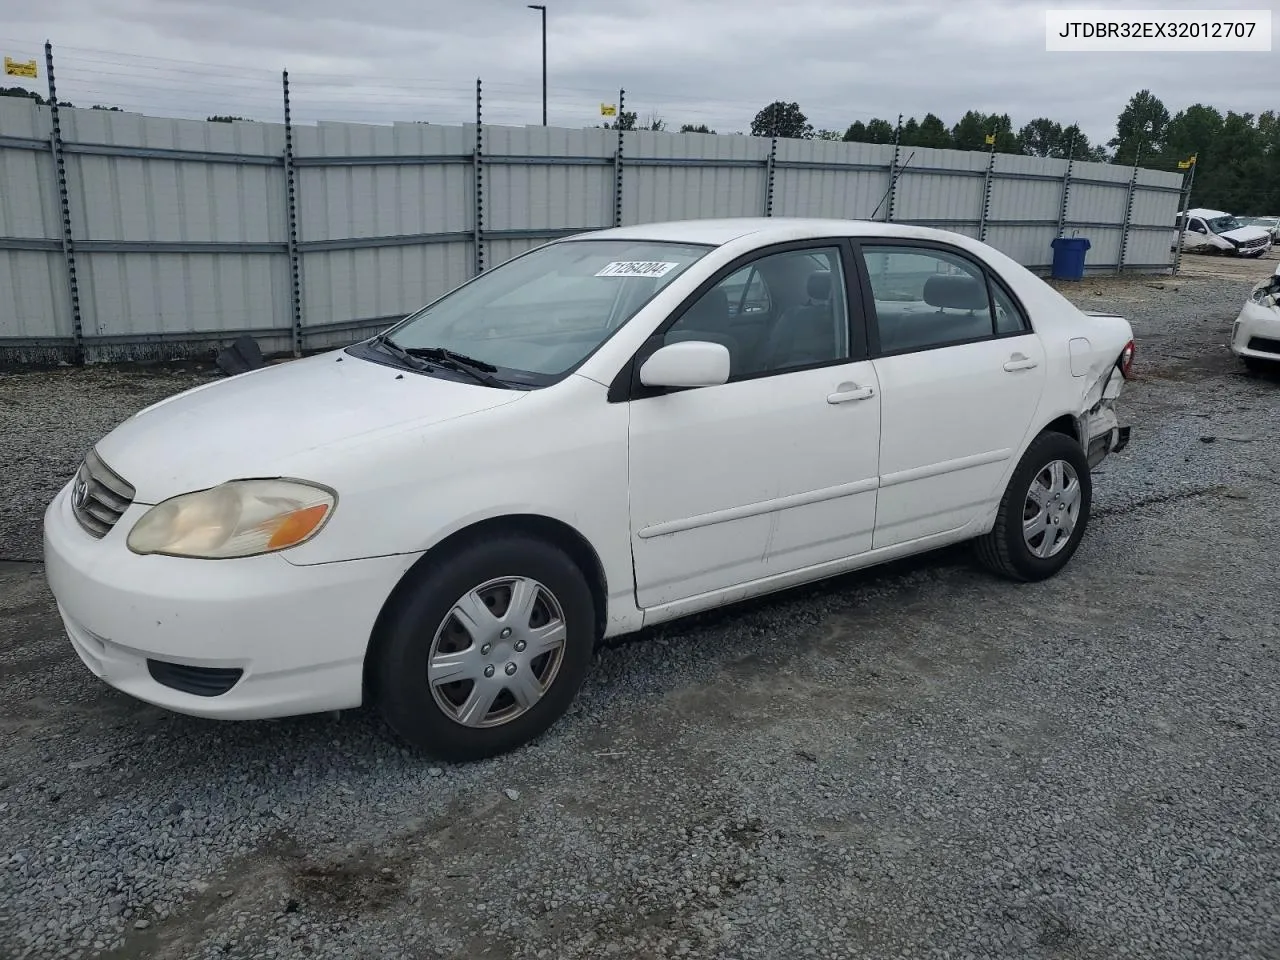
(820, 285)
(958, 293)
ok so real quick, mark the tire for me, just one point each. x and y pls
(1006, 550)
(426, 622)
(1258, 365)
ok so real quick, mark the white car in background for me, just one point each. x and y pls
(1212, 231)
(1270, 224)
(1255, 336)
(607, 432)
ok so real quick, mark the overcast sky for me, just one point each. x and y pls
(687, 61)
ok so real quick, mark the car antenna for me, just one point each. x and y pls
(892, 181)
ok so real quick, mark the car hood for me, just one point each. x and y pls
(1244, 234)
(253, 424)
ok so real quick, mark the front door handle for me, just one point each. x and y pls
(850, 391)
(1018, 362)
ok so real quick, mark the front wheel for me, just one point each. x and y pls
(485, 648)
(1044, 511)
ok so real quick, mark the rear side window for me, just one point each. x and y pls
(1009, 319)
(927, 298)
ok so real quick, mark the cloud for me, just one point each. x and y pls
(693, 61)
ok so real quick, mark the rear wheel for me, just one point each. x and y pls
(485, 649)
(1044, 511)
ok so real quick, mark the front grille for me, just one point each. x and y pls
(1264, 344)
(1254, 244)
(198, 681)
(99, 496)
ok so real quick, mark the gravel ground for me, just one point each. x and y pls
(915, 761)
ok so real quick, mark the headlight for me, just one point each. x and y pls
(237, 519)
(1265, 292)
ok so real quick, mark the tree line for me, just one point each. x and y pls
(1237, 166)
(1238, 154)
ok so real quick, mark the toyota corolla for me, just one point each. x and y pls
(607, 432)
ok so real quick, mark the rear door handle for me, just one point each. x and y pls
(1018, 363)
(849, 391)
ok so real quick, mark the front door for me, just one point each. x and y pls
(960, 372)
(1197, 235)
(776, 469)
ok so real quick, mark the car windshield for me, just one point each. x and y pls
(540, 315)
(1224, 224)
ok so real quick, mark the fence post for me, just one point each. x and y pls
(986, 194)
(893, 171)
(64, 202)
(1066, 186)
(771, 162)
(1128, 210)
(477, 181)
(291, 209)
(1184, 200)
(617, 163)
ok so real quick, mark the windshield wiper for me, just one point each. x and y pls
(400, 353)
(478, 370)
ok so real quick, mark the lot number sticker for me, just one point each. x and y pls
(637, 268)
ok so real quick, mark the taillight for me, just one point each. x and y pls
(1125, 363)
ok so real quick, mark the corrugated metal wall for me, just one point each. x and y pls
(35, 302)
(823, 179)
(385, 222)
(182, 229)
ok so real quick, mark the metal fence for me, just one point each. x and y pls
(125, 236)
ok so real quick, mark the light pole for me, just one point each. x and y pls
(543, 10)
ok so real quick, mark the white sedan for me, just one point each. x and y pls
(610, 431)
(1255, 336)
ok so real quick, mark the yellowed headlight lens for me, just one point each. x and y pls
(237, 519)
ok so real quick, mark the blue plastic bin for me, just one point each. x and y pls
(1068, 257)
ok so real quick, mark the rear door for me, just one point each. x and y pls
(960, 372)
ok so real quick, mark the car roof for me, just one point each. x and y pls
(717, 232)
(1205, 212)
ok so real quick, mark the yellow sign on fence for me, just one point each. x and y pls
(1189, 162)
(608, 110)
(20, 68)
(991, 139)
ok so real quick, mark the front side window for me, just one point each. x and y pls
(785, 311)
(929, 298)
(746, 292)
(538, 316)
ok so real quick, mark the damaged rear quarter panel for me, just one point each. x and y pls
(1103, 381)
(1096, 342)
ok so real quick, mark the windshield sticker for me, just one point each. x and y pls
(637, 268)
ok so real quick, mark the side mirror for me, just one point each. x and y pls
(689, 363)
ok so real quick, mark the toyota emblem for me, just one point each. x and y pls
(79, 493)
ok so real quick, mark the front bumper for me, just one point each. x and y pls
(1256, 332)
(240, 639)
(1252, 252)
